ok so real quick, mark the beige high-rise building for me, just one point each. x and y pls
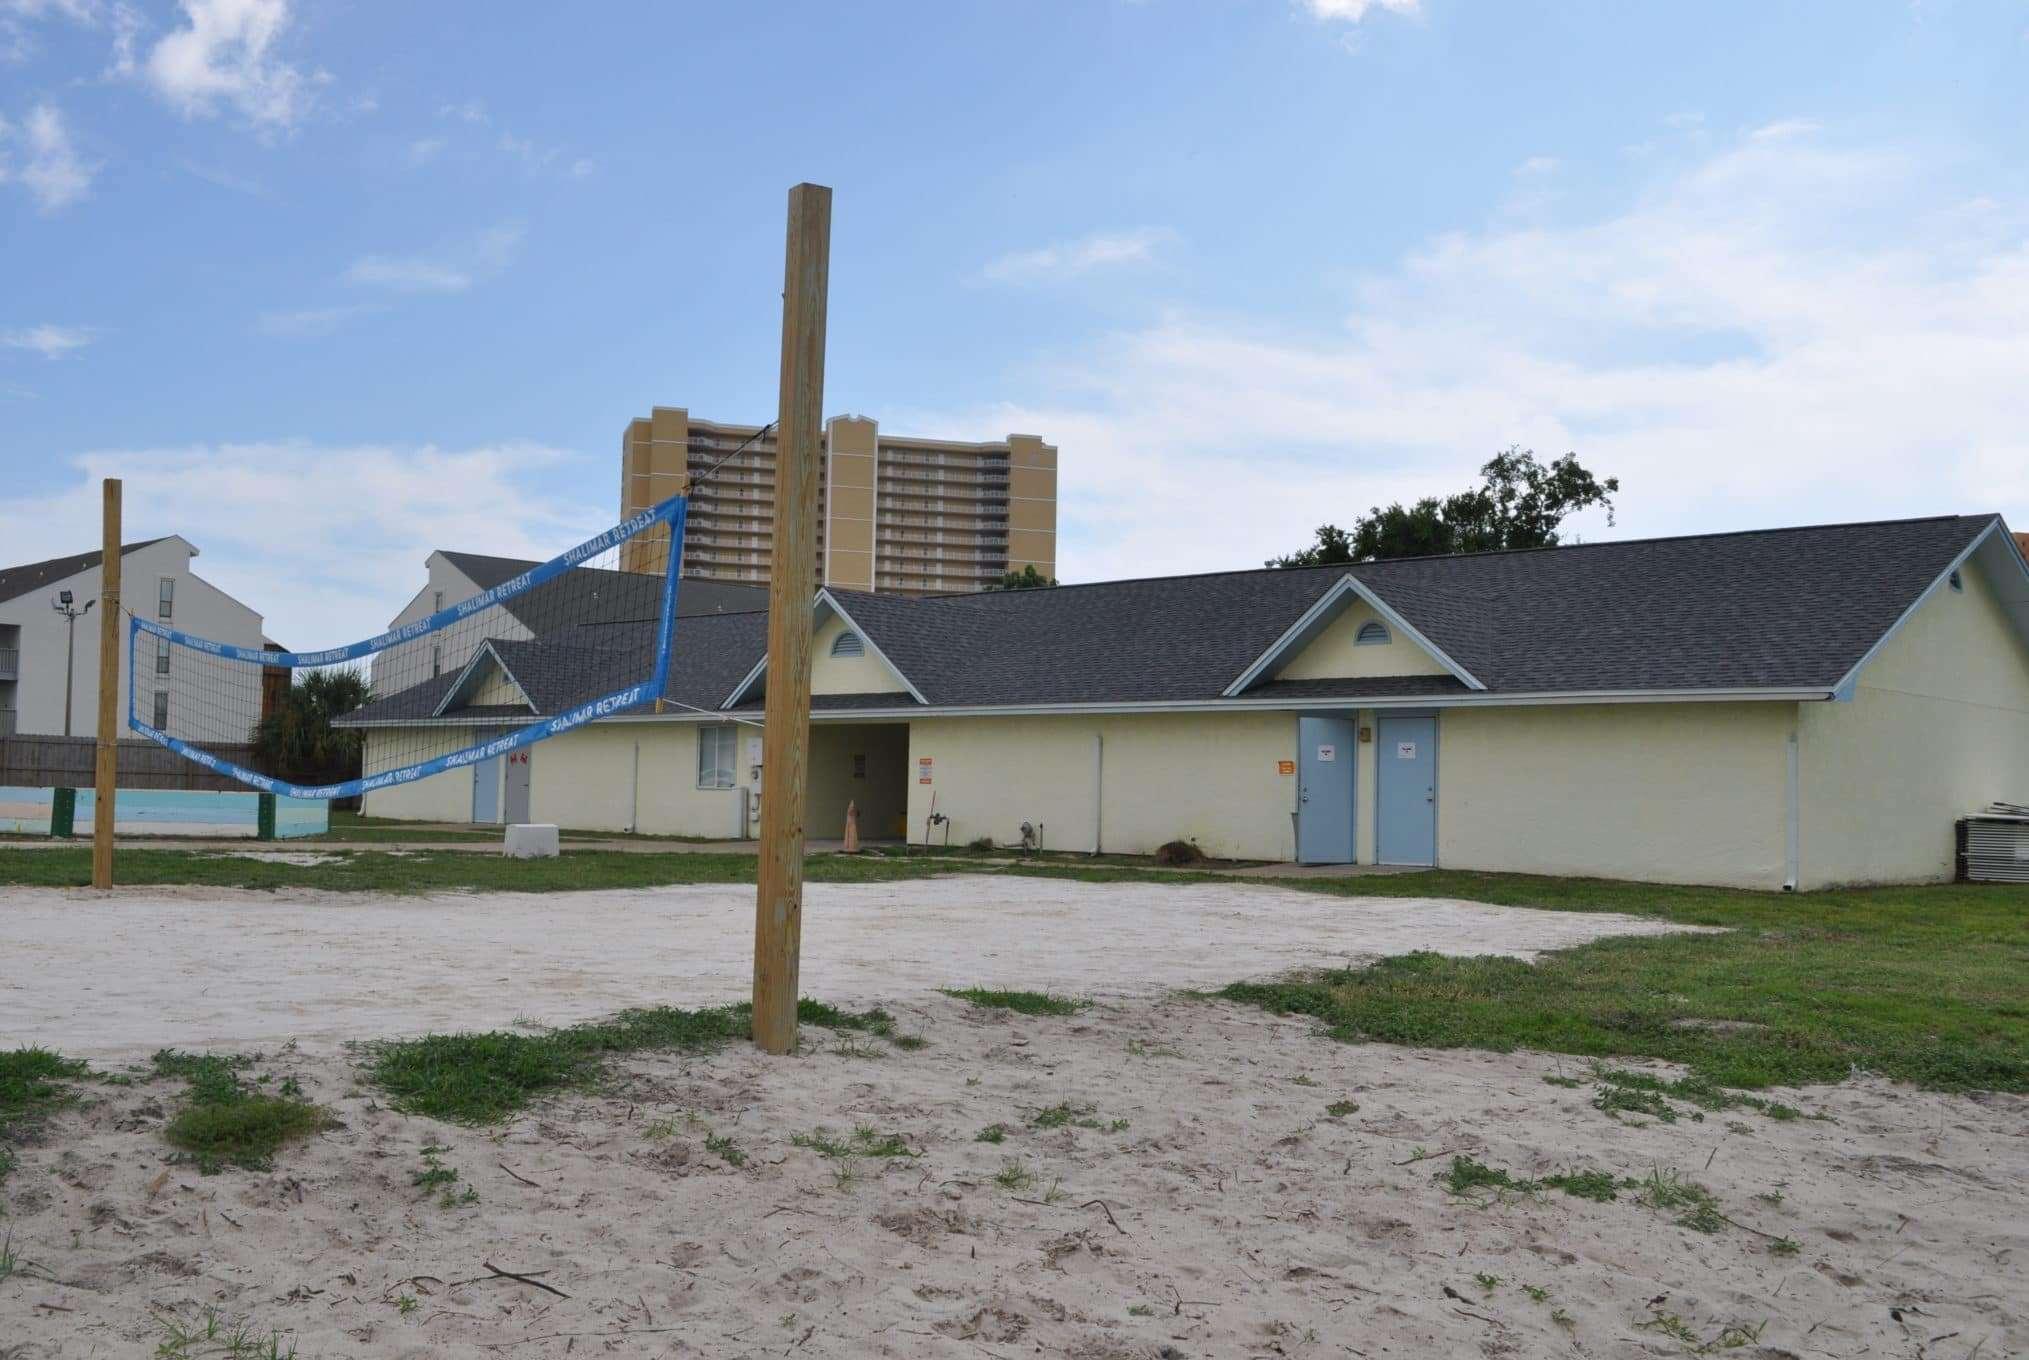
(897, 514)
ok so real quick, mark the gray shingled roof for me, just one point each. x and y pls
(600, 594)
(18, 581)
(1791, 609)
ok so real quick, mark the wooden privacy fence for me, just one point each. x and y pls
(46, 762)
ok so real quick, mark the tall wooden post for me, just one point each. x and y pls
(106, 771)
(792, 582)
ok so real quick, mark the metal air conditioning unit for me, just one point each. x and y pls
(1993, 845)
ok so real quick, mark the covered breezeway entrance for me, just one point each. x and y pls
(866, 764)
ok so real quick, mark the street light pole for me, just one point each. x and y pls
(63, 605)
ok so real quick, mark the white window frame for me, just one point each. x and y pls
(718, 754)
(165, 597)
(161, 656)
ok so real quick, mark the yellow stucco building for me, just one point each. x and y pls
(1790, 708)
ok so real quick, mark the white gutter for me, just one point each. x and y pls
(1329, 704)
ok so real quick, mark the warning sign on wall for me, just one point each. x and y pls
(1405, 750)
(1327, 753)
(1285, 767)
(923, 770)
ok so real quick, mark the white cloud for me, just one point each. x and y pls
(327, 541)
(470, 111)
(424, 150)
(39, 156)
(51, 342)
(1780, 332)
(312, 322)
(1067, 259)
(1538, 165)
(1352, 11)
(452, 271)
(226, 55)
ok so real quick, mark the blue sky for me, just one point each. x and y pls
(334, 284)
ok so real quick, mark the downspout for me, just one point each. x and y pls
(634, 795)
(1098, 790)
(1792, 806)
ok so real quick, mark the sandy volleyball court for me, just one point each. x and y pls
(209, 967)
(1170, 1177)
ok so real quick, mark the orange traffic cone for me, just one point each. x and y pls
(852, 828)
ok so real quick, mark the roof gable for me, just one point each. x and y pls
(1325, 644)
(485, 682)
(30, 576)
(872, 673)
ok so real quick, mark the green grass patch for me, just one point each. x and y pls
(1922, 984)
(481, 1078)
(438, 871)
(992, 1133)
(1021, 1003)
(876, 1021)
(33, 1082)
(223, 1122)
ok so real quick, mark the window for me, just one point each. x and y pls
(162, 656)
(161, 709)
(436, 602)
(716, 751)
(165, 597)
(1958, 582)
(436, 659)
(1371, 634)
(848, 644)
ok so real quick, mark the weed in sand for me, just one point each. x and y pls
(1785, 1246)
(1770, 1196)
(1567, 1082)
(1692, 1090)
(406, 1304)
(909, 1043)
(845, 1046)
(1022, 1003)
(1339, 1109)
(1536, 1292)
(1013, 1175)
(866, 1141)
(9, 1261)
(992, 1133)
(223, 1123)
(1141, 1048)
(1466, 1175)
(1303, 1079)
(1594, 1185)
(1140, 1310)
(725, 1149)
(655, 1130)
(876, 1021)
(1488, 1282)
(1669, 1190)
(1074, 1116)
(1562, 1318)
(215, 1335)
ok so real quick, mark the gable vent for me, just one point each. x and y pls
(1371, 634)
(848, 644)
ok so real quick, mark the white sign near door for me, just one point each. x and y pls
(1405, 750)
(1327, 753)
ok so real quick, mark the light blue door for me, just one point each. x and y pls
(486, 788)
(1324, 790)
(1405, 757)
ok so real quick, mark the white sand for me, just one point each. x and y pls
(203, 968)
(1250, 1223)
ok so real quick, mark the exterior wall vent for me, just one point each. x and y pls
(848, 644)
(1373, 633)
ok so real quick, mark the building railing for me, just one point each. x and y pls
(8, 719)
(10, 663)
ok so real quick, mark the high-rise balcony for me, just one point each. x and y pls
(10, 663)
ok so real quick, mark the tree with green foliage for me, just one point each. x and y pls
(1519, 503)
(1028, 578)
(296, 740)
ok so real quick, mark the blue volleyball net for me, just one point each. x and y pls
(493, 655)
